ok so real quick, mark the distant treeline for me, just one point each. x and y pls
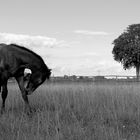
(75, 78)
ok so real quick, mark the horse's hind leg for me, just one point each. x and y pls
(4, 95)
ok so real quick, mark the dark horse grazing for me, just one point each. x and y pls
(13, 61)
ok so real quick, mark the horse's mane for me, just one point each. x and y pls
(28, 50)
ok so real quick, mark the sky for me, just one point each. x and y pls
(74, 37)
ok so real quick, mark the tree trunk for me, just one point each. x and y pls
(138, 72)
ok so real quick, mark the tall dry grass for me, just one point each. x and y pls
(74, 111)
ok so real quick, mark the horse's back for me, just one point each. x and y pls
(2, 46)
(7, 59)
(2, 52)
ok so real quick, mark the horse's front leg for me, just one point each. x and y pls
(4, 96)
(24, 93)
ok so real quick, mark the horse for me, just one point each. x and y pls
(14, 59)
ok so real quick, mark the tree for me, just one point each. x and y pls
(127, 48)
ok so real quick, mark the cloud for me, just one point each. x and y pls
(86, 32)
(91, 54)
(40, 44)
(30, 41)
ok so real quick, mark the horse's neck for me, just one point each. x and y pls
(34, 66)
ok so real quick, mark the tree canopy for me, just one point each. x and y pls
(127, 48)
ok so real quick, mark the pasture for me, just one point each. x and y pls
(74, 111)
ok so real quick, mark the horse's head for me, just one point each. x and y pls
(36, 79)
(46, 72)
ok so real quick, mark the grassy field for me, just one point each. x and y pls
(74, 111)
